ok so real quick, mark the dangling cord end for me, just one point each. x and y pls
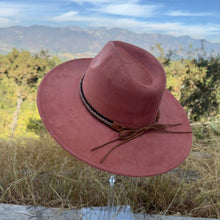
(126, 135)
(96, 148)
(125, 140)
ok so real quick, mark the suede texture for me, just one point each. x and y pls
(116, 92)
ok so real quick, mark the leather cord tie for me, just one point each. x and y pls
(127, 134)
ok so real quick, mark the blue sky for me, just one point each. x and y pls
(196, 18)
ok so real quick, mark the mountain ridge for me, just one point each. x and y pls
(76, 40)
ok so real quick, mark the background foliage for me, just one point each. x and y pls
(20, 75)
(194, 81)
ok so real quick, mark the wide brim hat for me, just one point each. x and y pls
(114, 113)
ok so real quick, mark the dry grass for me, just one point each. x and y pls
(39, 172)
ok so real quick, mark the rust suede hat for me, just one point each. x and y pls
(114, 113)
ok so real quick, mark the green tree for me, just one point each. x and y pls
(24, 70)
(182, 76)
(201, 95)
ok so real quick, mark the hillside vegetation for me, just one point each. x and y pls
(194, 82)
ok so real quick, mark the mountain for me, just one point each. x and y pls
(68, 41)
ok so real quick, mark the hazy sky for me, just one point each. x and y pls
(195, 18)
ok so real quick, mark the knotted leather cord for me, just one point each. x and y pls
(125, 134)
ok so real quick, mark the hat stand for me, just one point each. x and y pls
(116, 212)
(110, 206)
(109, 212)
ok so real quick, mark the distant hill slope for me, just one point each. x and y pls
(74, 40)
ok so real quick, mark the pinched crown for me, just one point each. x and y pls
(125, 84)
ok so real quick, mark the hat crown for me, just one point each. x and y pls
(125, 83)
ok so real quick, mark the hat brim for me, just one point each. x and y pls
(77, 131)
